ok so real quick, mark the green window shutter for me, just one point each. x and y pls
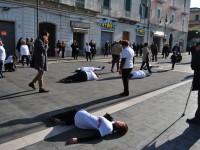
(146, 11)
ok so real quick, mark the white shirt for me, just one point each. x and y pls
(2, 53)
(127, 53)
(85, 120)
(24, 50)
(89, 69)
(9, 60)
(91, 75)
(87, 48)
(138, 74)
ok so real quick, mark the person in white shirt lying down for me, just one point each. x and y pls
(81, 77)
(84, 120)
(90, 69)
(139, 74)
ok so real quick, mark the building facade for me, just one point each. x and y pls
(68, 20)
(169, 20)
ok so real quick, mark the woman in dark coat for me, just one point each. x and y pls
(195, 65)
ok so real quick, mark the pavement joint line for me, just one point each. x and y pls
(56, 130)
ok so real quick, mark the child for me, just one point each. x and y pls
(173, 60)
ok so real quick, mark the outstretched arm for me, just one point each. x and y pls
(75, 140)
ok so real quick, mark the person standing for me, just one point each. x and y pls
(88, 51)
(176, 48)
(116, 50)
(59, 46)
(40, 60)
(63, 49)
(195, 65)
(154, 51)
(2, 58)
(25, 53)
(145, 57)
(107, 48)
(126, 66)
(173, 60)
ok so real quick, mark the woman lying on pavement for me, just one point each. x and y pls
(84, 120)
(139, 74)
(81, 76)
(90, 69)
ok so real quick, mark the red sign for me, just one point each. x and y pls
(4, 33)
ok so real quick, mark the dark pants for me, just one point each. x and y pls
(125, 79)
(154, 57)
(147, 64)
(63, 53)
(115, 59)
(67, 117)
(9, 67)
(88, 55)
(78, 77)
(1, 68)
(27, 59)
(197, 114)
(173, 64)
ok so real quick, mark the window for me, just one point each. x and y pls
(183, 24)
(158, 15)
(80, 3)
(172, 19)
(143, 10)
(106, 3)
(185, 3)
(127, 4)
(197, 18)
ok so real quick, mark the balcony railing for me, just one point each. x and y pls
(185, 11)
(161, 1)
(128, 15)
(174, 5)
(89, 4)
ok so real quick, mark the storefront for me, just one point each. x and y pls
(80, 29)
(107, 30)
(140, 32)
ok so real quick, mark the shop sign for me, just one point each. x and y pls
(77, 24)
(3, 33)
(107, 24)
(140, 30)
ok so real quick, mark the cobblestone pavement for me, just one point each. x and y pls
(154, 123)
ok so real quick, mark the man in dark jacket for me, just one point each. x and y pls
(40, 60)
(195, 65)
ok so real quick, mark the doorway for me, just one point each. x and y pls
(49, 27)
(79, 37)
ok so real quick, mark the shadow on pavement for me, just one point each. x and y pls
(184, 141)
(18, 94)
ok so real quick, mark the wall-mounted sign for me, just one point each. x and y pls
(140, 30)
(3, 33)
(77, 24)
(107, 24)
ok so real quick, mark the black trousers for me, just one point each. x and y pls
(27, 59)
(197, 114)
(115, 59)
(125, 79)
(173, 64)
(88, 55)
(67, 117)
(78, 77)
(147, 63)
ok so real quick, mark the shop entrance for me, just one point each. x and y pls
(106, 36)
(79, 37)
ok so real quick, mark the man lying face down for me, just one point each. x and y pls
(90, 69)
(84, 120)
(81, 76)
(138, 74)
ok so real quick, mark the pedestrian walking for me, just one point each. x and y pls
(173, 59)
(126, 66)
(84, 120)
(116, 50)
(195, 65)
(39, 61)
(154, 51)
(2, 58)
(145, 57)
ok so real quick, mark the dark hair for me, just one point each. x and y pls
(43, 33)
(108, 117)
(145, 44)
(125, 43)
(122, 130)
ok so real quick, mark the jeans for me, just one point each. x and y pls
(125, 79)
(115, 59)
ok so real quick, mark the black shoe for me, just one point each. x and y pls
(32, 86)
(194, 121)
(124, 94)
(42, 90)
(103, 67)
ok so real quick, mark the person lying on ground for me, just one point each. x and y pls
(81, 77)
(84, 120)
(90, 68)
(139, 74)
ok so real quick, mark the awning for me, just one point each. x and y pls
(80, 30)
(158, 33)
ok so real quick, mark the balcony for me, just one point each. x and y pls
(185, 11)
(162, 1)
(105, 11)
(174, 6)
(122, 14)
